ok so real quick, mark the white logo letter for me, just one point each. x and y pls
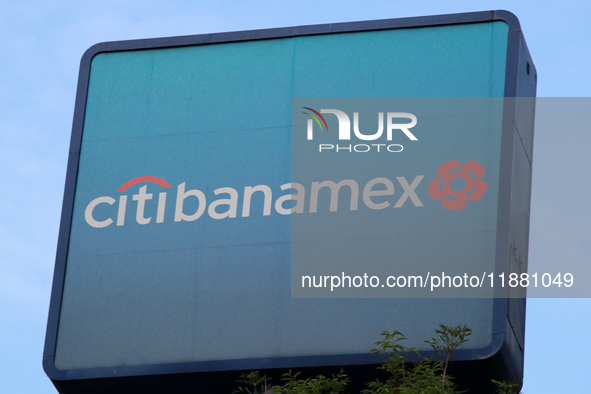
(121, 211)
(88, 213)
(344, 123)
(368, 193)
(409, 191)
(231, 202)
(161, 206)
(141, 198)
(334, 194)
(404, 127)
(180, 199)
(298, 198)
(372, 137)
(248, 192)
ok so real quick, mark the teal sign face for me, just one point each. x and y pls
(178, 249)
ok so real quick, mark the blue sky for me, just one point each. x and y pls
(41, 49)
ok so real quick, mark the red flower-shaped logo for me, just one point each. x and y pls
(473, 191)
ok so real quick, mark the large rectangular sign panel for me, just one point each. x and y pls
(261, 200)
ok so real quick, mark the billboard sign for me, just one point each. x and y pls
(215, 180)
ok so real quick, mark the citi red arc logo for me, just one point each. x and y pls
(140, 179)
(476, 186)
(141, 198)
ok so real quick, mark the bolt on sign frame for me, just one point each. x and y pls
(160, 301)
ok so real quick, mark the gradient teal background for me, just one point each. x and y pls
(219, 115)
